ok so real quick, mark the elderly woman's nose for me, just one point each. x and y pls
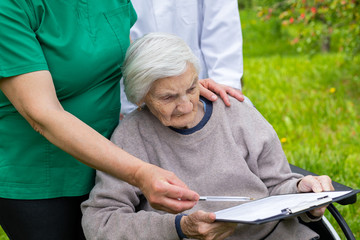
(185, 105)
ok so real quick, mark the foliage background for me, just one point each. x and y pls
(317, 25)
(310, 97)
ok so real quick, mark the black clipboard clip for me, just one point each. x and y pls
(306, 205)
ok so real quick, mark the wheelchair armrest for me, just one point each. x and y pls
(337, 186)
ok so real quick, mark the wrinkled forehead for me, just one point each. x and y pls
(176, 83)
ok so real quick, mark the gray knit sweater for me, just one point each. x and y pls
(237, 153)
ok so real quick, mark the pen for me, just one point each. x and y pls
(225, 198)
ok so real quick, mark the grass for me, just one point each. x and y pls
(3, 235)
(312, 102)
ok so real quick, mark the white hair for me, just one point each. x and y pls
(152, 57)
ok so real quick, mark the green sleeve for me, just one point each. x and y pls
(20, 50)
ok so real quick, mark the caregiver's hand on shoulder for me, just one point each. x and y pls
(208, 87)
(316, 184)
(164, 190)
(202, 225)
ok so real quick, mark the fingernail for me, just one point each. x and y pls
(213, 97)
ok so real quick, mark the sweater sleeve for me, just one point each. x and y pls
(117, 210)
(266, 156)
(274, 168)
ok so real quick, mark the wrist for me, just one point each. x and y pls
(297, 185)
(137, 176)
(178, 226)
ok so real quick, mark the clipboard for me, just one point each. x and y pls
(278, 207)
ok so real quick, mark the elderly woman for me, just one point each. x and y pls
(217, 151)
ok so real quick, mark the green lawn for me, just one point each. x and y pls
(312, 102)
(3, 235)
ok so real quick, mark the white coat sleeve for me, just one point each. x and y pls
(221, 42)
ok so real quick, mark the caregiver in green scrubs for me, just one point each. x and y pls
(59, 75)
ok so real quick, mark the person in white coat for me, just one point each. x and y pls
(211, 28)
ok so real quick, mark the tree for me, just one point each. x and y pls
(320, 25)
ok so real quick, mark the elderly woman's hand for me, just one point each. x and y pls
(202, 225)
(316, 184)
(208, 87)
(164, 190)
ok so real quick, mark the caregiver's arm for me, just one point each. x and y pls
(33, 95)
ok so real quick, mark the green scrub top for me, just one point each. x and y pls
(82, 43)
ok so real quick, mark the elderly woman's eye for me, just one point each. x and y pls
(191, 89)
(168, 97)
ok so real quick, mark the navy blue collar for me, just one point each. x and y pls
(208, 108)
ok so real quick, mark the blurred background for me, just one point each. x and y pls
(302, 72)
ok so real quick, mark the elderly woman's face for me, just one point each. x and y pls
(175, 100)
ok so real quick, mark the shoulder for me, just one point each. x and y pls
(132, 126)
(244, 109)
(134, 133)
(245, 117)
